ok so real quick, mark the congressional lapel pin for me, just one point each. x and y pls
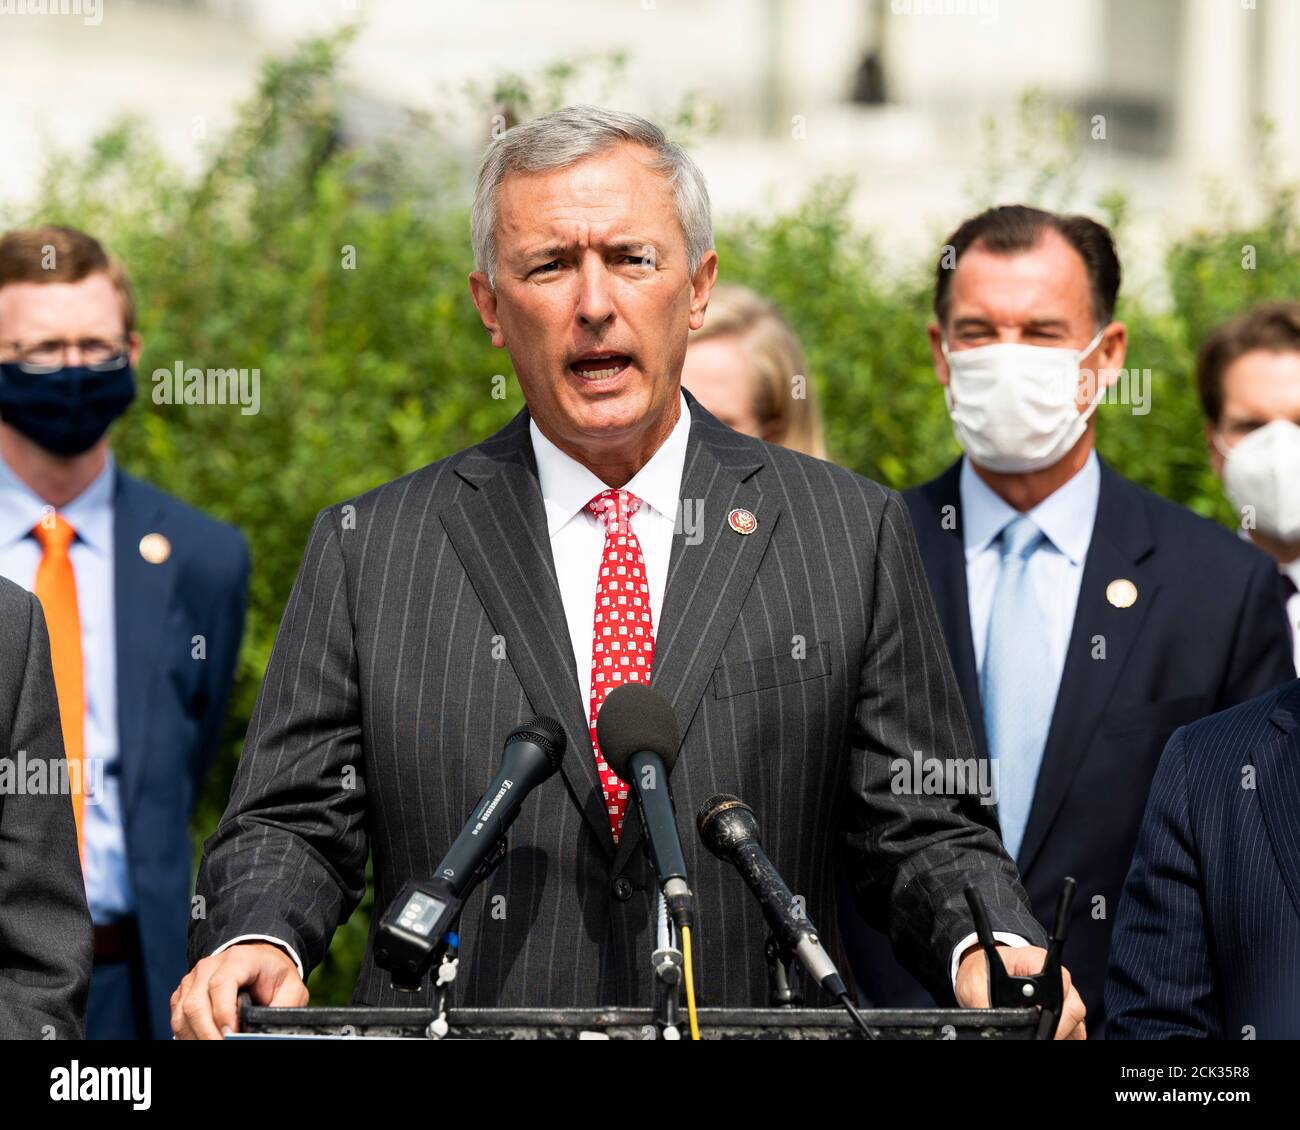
(742, 521)
(1122, 593)
(155, 548)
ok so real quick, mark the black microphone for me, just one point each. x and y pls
(729, 830)
(638, 737)
(533, 752)
(419, 924)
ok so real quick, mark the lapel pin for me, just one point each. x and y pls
(742, 521)
(155, 548)
(1122, 593)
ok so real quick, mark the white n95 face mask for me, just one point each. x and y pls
(1262, 471)
(1013, 406)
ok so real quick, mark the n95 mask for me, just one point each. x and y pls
(1262, 471)
(1013, 406)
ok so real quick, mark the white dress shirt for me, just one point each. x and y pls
(1293, 609)
(578, 536)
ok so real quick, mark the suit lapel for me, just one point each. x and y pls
(141, 594)
(1278, 763)
(710, 572)
(1121, 542)
(940, 540)
(499, 535)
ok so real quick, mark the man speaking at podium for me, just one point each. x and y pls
(781, 609)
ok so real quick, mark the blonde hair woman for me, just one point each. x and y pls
(746, 366)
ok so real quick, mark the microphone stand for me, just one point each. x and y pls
(667, 964)
(780, 987)
(449, 952)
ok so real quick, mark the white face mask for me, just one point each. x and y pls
(1013, 406)
(1262, 472)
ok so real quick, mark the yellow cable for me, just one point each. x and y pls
(690, 982)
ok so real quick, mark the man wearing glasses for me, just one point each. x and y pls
(144, 600)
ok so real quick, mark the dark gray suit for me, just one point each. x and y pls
(46, 944)
(426, 622)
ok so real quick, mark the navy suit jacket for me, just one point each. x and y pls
(170, 705)
(1206, 632)
(1207, 942)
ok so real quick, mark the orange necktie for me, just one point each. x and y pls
(56, 589)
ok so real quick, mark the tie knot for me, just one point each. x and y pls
(54, 532)
(1020, 537)
(614, 509)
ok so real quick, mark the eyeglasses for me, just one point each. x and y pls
(50, 356)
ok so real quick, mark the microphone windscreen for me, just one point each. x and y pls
(546, 733)
(633, 719)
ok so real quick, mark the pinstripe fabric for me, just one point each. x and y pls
(46, 942)
(1207, 938)
(425, 622)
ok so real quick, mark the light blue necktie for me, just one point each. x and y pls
(1015, 683)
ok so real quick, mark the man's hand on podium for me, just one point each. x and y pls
(204, 1004)
(1021, 961)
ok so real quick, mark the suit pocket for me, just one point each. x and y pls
(1157, 717)
(770, 671)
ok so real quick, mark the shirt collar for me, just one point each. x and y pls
(567, 486)
(1066, 516)
(90, 513)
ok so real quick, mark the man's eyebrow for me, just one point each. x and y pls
(624, 245)
(637, 246)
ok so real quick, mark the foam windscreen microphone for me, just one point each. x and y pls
(639, 739)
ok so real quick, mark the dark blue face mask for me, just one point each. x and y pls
(65, 411)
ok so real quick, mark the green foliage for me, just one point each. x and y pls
(367, 373)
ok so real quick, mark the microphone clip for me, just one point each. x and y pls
(1045, 988)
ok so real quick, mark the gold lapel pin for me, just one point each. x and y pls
(1122, 593)
(742, 521)
(155, 548)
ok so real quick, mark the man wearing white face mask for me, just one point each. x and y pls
(1085, 617)
(1248, 375)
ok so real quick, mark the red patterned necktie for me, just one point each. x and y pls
(623, 642)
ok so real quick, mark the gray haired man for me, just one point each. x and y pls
(787, 623)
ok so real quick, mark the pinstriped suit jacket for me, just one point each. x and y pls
(1207, 938)
(426, 622)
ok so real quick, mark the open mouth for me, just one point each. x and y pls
(600, 366)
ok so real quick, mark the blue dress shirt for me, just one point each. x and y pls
(107, 878)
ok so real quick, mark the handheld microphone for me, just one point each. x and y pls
(638, 737)
(533, 752)
(729, 830)
(418, 925)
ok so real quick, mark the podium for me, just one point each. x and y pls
(634, 1023)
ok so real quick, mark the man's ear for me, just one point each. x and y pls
(1111, 352)
(485, 301)
(134, 347)
(1216, 456)
(936, 353)
(702, 283)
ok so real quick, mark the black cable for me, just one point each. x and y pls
(858, 1019)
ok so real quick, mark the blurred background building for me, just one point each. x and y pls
(897, 94)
